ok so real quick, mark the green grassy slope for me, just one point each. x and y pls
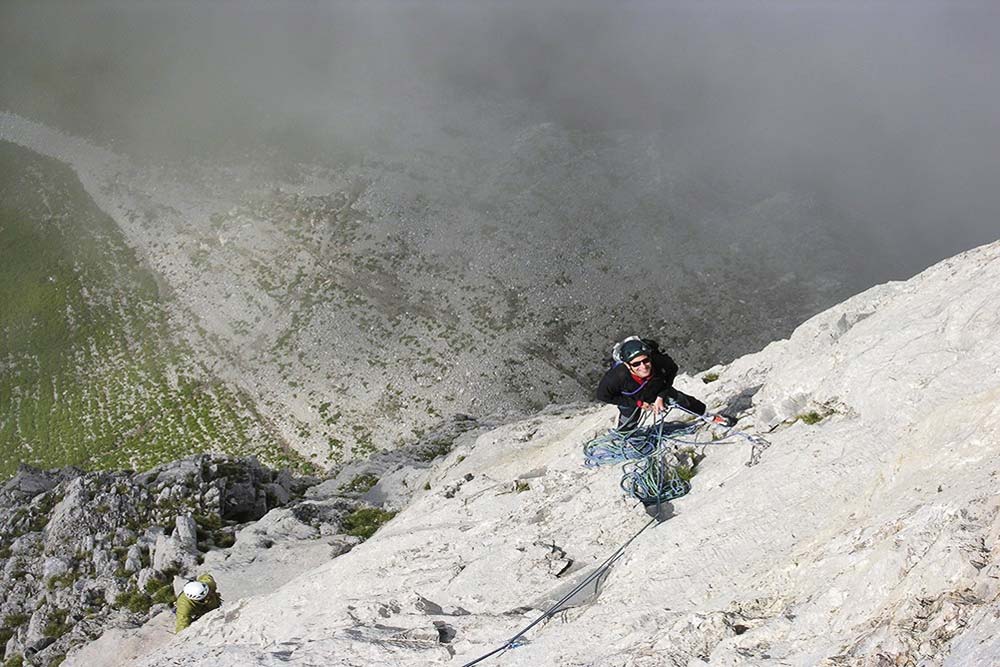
(90, 373)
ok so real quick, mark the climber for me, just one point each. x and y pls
(197, 599)
(642, 380)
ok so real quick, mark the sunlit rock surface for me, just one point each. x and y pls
(868, 535)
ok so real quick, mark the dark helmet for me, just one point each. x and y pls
(631, 349)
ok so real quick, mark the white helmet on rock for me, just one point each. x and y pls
(196, 590)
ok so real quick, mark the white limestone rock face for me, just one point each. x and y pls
(119, 647)
(178, 549)
(869, 538)
(284, 543)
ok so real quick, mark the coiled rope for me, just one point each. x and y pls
(652, 472)
(619, 445)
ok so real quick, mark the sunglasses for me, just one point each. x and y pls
(641, 362)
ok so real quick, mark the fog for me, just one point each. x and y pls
(889, 112)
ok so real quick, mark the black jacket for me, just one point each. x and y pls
(619, 387)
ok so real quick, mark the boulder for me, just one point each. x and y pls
(10, 648)
(25, 545)
(68, 522)
(181, 473)
(212, 500)
(101, 558)
(124, 536)
(277, 494)
(144, 576)
(37, 646)
(54, 567)
(149, 537)
(133, 559)
(186, 532)
(243, 501)
(171, 553)
(28, 482)
(113, 589)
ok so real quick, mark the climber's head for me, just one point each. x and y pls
(195, 590)
(637, 356)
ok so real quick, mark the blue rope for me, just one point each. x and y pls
(652, 480)
(647, 474)
(619, 445)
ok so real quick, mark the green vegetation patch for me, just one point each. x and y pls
(93, 374)
(134, 601)
(361, 483)
(158, 591)
(365, 521)
(64, 580)
(11, 623)
(709, 377)
(57, 625)
(814, 416)
(685, 472)
(434, 449)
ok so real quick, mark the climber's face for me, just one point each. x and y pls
(641, 366)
